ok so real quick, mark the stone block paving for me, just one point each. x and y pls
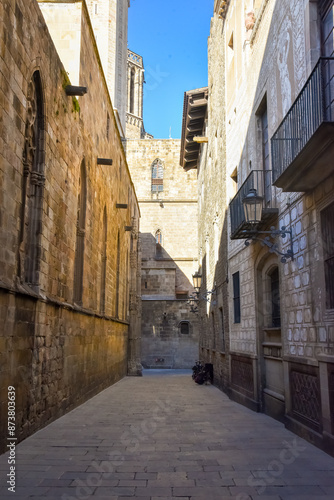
(162, 437)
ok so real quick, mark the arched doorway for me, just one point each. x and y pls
(271, 375)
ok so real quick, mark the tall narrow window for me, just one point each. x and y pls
(80, 241)
(108, 126)
(126, 301)
(157, 171)
(327, 27)
(118, 264)
(213, 330)
(275, 299)
(158, 244)
(32, 186)
(132, 91)
(327, 50)
(265, 156)
(158, 237)
(222, 330)
(236, 297)
(103, 263)
(207, 259)
(327, 227)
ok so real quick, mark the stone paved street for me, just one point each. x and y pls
(162, 437)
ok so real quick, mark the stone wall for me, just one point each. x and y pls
(214, 339)
(167, 266)
(58, 351)
(163, 344)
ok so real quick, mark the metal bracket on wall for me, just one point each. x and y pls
(273, 247)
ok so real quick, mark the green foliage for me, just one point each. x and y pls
(75, 105)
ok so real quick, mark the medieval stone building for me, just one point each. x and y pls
(168, 201)
(168, 235)
(267, 145)
(69, 217)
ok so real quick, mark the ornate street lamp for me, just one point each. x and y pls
(196, 297)
(253, 204)
(197, 280)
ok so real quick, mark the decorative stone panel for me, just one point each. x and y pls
(242, 377)
(305, 395)
(331, 393)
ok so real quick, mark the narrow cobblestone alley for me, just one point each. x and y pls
(162, 437)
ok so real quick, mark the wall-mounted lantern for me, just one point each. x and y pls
(253, 204)
(197, 296)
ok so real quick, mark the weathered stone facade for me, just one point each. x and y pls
(109, 19)
(68, 263)
(280, 336)
(168, 235)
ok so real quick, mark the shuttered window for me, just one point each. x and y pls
(236, 297)
(327, 227)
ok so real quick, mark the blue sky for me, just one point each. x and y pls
(172, 39)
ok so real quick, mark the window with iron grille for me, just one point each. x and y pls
(275, 299)
(157, 176)
(327, 227)
(236, 297)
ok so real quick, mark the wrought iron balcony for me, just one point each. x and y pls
(303, 145)
(261, 181)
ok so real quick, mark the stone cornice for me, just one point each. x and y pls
(221, 7)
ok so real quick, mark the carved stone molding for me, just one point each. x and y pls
(133, 259)
(37, 179)
(133, 306)
(221, 7)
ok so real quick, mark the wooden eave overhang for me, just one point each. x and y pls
(194, 113)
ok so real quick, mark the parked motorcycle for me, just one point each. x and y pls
(197, 368)
(202, 373)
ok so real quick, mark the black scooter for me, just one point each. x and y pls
(202, 373)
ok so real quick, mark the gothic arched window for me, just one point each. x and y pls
(32, 185)
(80, 241)
(157, 175)
(132, 91)
(158, 237)
(103, 263)
(118, 265)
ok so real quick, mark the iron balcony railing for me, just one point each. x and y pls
(313, 106)
(261, 181)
